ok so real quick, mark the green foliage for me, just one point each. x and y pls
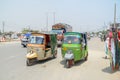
(26, 30)
(0, 32)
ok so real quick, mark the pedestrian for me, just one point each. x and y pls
(106, 46)
(118, 36)
(112, 45)
(104, 37)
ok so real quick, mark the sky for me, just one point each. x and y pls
(82, 15)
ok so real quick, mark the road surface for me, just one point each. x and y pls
(13, 65)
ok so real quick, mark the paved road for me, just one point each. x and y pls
(13, 65)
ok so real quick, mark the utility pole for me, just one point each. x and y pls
(116, 41)
(105, 27)
(115, 16)
(47, 21)
(3, 23)
(54, 17)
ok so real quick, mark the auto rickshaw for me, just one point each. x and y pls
(40, 47)
(74, 48)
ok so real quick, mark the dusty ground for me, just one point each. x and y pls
(13, 65)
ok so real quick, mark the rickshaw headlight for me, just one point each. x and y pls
(31, 52)
(64, 48)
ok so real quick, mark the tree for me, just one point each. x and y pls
(0, 32)
(26, 30)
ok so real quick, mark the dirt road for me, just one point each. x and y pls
(13, 65)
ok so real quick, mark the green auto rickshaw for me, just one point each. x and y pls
(40, 47)
(74, 48)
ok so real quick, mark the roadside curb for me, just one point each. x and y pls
(11, 42)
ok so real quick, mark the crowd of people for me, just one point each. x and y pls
(112, 45)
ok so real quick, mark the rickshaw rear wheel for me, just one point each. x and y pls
(86, 57)
(55, 54)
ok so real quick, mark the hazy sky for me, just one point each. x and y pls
(83, 15)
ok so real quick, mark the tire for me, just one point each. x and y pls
(73, 62)
(24, 46)
(86, 58)
(68, 64)
(29, 62)
(55, 54)
(59, 45)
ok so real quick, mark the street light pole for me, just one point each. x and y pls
(115, 16)
(3, 23)
(116, 41)
(47, 21)
(54, 17)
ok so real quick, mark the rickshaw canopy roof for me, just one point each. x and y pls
(73, 33)
(44, 33)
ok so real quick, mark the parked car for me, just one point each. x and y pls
(25, 39)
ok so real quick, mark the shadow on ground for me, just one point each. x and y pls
(41, 61)
(78, 63)
(109, 70)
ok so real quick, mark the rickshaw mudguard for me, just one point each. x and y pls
(69, 56)
(31, 55)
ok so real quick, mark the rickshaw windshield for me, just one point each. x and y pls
(37, 39)
(72, 39)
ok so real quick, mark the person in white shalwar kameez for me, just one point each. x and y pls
(106, 47)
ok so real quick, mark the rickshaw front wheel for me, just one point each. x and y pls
(29, 62)
(69, 63)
